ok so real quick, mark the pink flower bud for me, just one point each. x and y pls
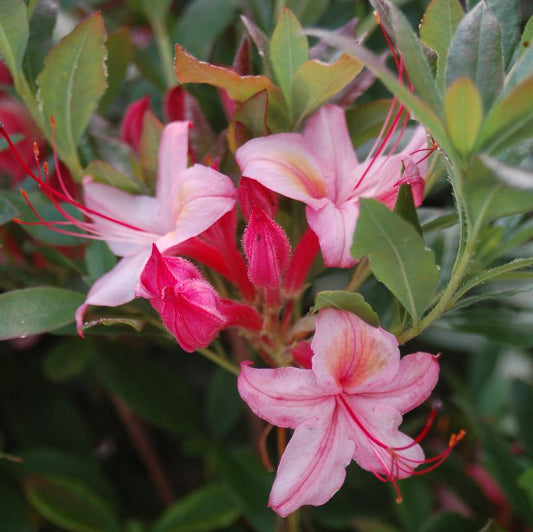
(174, 104)
(189, 306)
(251, 194)
(132, 123)
(267, 249)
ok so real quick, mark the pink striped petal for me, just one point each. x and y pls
(284, 397)
(334, 226)
(312, 468)
(352, 356)
(283, 163)
(326, 135)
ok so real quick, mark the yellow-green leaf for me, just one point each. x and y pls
(13, 34)
(288, 50)
(463, 112)
(71, 83)
(315, 83)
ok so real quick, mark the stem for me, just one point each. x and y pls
(221, 361)
(360, 275)
(143, 445)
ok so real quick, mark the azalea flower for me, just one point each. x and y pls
(187, 202)
(347, 406)
(320, 168)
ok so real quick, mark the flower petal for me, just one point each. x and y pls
(125, 210)
(326, 135)
(173, 149)
(285, 397)
(312, 468)
(382, 421)
(117, 286)
(417, 376)
(334, 228)
(200, 197)
(283, 163)
(351, 355)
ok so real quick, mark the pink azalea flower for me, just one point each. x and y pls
(187, 202)
(348, 406)
(320, 168)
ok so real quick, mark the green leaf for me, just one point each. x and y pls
(463, 112)
(522, 69)
(525, 481)
(510, 120)
(67, 359)
(152, 390)
(202, 23)
(522, 405)
(98, 260)
(41, 27)
(365, 120)
(508, 15)
(203, 510)
(489, 195)
(354, 303)
(406, 208)
(416, 506)
(71, 84)
(13, 34)
(7, 210)
(307, 11)
(16, 514)
(492, 526)
(248, 484)
(437, 29)
(398, 256)
(224, 406)
(476, 52)
(527, 37)
(248, 121)
(149, 147)
(103, 172)
(119, 56)
(314, 83)
(411, 51)
(70, 504)
(36, 310)
(288, 51)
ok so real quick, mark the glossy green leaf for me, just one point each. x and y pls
(398, 256)
(14, 33)
(490, 196)
(522, 404)
(151, 389)
(7, 210)
(119, 56)
(203, 510)
(463, 112)
(252, 116)
(525, 481)
(348, 301)
(70, 505)
(36, 310)
(478, 30)
(248, 484)
(103, 172)
(71, 84)
(423, 112)
(288, 51)
(412, 53)
(67, 359)
(202, 23)
(437, 29)
(510, 120)
(41, 27)
(406, 208)
(365, 120)
(314, 83)
(224, 405)
(14, 511)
